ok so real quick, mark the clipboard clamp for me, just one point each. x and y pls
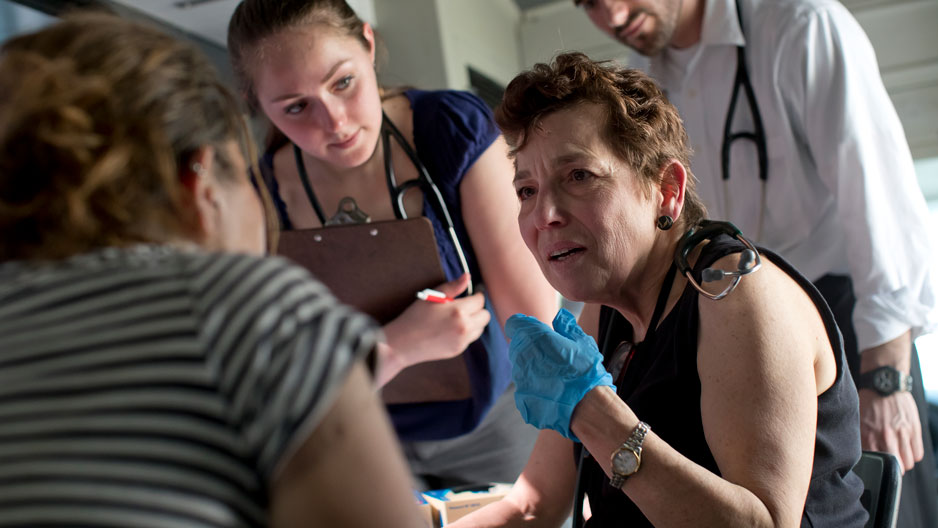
(348, 212)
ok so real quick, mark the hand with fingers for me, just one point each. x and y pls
(553, 369)
(891, 424)
(428, 331)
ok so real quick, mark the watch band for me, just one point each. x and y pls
(885, 380)
(905, 382)
(633, 444)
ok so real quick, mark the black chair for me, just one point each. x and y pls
(882, 483)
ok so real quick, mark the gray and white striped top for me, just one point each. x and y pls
(156, 387)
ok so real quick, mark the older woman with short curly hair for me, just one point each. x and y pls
(719, 394)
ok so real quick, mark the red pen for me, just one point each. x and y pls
(433, 296)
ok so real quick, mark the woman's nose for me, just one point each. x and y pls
(547, 212)
(331, 117)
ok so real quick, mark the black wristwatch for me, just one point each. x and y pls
(885, 380)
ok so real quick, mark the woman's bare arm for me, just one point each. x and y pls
(350, 472)
(513, 279)
(761, 370)
(543, 494)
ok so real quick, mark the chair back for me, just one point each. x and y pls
(882, 484)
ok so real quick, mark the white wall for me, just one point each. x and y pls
(365, 9)
(482, 34)
(410, 31)
(431, 42)
(553, 28)
(905, 36)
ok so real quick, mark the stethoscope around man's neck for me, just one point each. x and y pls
(423, 181)
(742, 83)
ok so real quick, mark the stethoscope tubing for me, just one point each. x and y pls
(424, 182)
(742, 83)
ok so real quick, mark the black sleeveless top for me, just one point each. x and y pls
(661, 384)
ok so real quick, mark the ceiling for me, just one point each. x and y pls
(204, 18)
(209, 18)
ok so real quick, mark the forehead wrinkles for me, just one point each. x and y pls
(571, 136)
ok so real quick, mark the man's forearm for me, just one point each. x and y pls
(896, 353)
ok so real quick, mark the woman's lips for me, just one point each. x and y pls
(346, 143)
(564, 253)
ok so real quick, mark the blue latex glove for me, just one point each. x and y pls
(552, 369)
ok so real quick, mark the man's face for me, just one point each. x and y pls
(646, 26)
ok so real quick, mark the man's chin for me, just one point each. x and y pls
(642, 47)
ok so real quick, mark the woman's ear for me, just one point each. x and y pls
(369, 33)
(673, 180)
(198, 195)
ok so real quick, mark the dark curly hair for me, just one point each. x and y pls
(97, 115)
(642, 127)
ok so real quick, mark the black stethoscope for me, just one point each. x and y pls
(742, 84)
(749, 259)
(348, 211)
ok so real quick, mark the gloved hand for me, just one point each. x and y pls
(552, 369)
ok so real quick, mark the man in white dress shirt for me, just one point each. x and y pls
(837, 194)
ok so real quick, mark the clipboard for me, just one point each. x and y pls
(378, 268)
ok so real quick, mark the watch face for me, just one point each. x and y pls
(884, 381)
(625, 462)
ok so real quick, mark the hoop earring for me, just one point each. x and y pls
(198, 168)
(664, 222)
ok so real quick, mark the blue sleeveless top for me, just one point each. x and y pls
(662, 385)
(451, 130)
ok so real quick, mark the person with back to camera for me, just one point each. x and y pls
(717, 408)
(831, 185)
(308, 66)
(154, 369)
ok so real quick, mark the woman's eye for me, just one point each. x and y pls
(524, 193)
(579, 175)
(294, 108)
(343, 83)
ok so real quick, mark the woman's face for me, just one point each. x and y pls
(584, 214)
(318, 87)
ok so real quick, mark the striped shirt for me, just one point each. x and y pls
(157, 387)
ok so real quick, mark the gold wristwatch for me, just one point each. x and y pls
(628, 458)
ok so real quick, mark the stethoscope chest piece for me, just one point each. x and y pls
(749, 260)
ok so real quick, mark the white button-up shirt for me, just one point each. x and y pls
(841, 196)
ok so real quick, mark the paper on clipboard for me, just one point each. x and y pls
(377, 268)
